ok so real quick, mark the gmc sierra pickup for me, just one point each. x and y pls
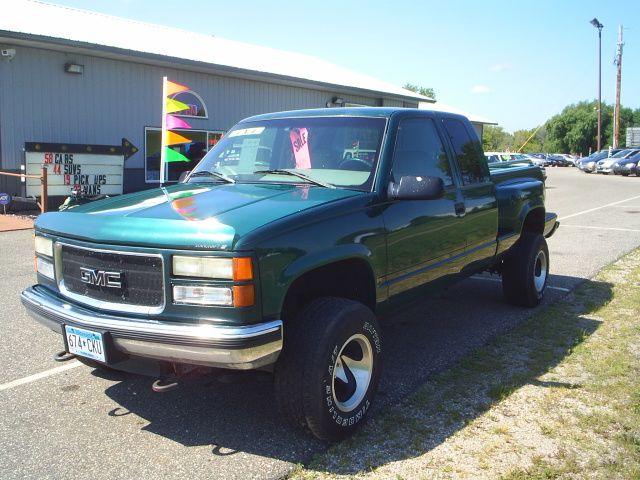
(281, 245)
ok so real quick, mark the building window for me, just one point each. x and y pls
(197, 108)
(201, 142)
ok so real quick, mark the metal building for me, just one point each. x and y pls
(70, 76)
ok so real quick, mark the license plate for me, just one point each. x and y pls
(85, 343)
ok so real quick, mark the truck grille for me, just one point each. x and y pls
(112, 277)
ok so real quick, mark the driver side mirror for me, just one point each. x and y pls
(183, 176)
(416, 188)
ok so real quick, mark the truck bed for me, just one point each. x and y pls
(519, 190)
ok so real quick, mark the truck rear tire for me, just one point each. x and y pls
(526, 271)
(328, 372)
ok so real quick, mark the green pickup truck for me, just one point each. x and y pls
(278, 250)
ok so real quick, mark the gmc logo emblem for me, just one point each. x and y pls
(101, 278)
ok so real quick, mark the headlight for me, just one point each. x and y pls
(43, 246)
(238, 269)
(203, 267)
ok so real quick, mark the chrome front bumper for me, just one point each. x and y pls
(242, 348)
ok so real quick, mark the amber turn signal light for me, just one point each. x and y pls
(242, 269)
(243, 295)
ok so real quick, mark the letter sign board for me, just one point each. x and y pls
(90, 169)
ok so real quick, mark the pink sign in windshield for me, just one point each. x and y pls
(299, 138)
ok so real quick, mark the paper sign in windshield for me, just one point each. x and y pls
(299, 138)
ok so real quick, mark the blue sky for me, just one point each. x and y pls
(515, 62)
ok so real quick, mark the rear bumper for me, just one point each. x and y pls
(243, 348)
(551, 224)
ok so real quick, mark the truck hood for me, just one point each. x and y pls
(187, 216)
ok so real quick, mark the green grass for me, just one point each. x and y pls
(581, 354)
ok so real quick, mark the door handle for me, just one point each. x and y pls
(460, 210)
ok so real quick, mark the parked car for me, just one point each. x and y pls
(540, 156)
(588, 164)
(494, 157)
(554, 160)
(499, 157)
(571, 159)
(627, 166)
(606, 165)
(545, 157)
(538, 162)
(534, 159)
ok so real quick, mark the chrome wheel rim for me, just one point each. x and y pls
(352, 372)
(540, 271)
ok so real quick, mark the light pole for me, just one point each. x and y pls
(599, 26)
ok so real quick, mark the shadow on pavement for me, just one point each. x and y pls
(448, 403)
(419, 342)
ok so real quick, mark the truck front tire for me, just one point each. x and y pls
(526, 271)
(328, 372)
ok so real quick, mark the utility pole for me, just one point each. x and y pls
(618, 62)
(599, 26)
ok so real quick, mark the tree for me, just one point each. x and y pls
(426, 91)
(575, 128)
(529, 140)
(495, 139)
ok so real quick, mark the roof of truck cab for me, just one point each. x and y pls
(380, 112)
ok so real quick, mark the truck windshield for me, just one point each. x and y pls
(337, 152)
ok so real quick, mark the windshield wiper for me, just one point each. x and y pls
(296, 174)
(206, 173)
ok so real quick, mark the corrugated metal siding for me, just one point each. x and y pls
(115, 99)
(394, 103)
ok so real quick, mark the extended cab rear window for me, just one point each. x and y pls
(473, 166)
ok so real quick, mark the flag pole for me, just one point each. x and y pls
(163, 133)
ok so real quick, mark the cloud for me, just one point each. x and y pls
(480, 89)
(500, 67)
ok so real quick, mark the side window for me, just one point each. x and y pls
(473, 166)
(419, 151)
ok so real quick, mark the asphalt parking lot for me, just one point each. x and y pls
(69, 421)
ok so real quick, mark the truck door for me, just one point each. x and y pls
(423, 236)
(478, 192)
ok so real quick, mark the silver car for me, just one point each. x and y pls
(606, 165)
